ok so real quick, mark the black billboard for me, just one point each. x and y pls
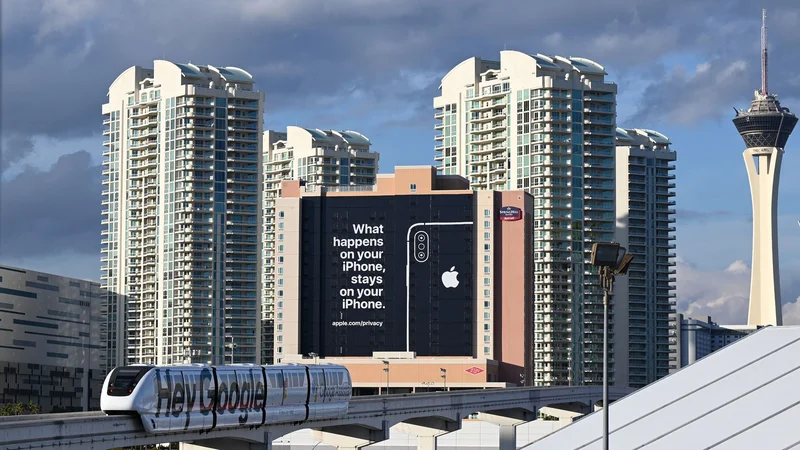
(387, 273)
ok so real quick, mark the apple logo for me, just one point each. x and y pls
(450, 278)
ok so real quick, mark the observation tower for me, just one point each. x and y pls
(765, 128)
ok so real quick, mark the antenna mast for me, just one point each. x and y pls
(764, 52)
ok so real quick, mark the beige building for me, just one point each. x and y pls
(319, 158)
(181, 254)
(430, 333)
(546, 125)
(645, 226)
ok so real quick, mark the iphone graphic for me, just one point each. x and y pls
(438, 264)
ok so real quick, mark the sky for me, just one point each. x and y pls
(374, 66)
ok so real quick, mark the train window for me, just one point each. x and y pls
(124, 380)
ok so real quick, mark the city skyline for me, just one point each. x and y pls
(390, 101)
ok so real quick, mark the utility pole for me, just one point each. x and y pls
(386, 369)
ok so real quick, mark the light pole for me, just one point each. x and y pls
(314, 355)
(386, 369)
(444, 377)
(612, 260)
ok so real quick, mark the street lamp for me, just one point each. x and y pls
(231, 346)
(386, 369)
(612, 260)
(444, 377)
(313, 355)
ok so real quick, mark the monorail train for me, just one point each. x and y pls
(204, 397)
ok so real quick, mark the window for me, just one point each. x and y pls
(486, 350)
(280, 236)
(487, 269)
(486, 339)
(486, 304)
(280, 214)
(487, 213)
(487, 224)
(487, 235)
(413, 187)
(280, 225)
(486, 258)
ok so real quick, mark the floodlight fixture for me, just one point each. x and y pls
(605, 254)
(624, 263)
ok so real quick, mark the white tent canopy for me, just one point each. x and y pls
(744, 396)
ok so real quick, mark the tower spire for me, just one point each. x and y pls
(764, 52)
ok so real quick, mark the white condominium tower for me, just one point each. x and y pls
(544, 124)
(320, 158)
(645, 226)
(180, 213)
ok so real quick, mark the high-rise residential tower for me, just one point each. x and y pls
(547, 125)
(180, 213)
(765, 128)
(645, 223)
(340, 160)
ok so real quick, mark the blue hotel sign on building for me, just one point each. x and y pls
(510, 213)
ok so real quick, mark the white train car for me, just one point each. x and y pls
(203, 397)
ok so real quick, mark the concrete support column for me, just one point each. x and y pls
(352, 437)
(428, 429)
(508, 420)
(508, 437)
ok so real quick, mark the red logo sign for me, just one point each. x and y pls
(510, 213)
(474, 370)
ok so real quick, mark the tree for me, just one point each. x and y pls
(18, 409)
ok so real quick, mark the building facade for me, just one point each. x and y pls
(545, 125)
(53, 347)
(181, 250)
(414, 277)
(697, 338)
(319, 158)
(645, 226)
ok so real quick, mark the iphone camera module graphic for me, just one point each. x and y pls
(421, 246)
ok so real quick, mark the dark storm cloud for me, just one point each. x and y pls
(52, 211)
(13, 150)
(730, 69)
(64, 55)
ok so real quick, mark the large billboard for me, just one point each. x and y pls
(387, 273)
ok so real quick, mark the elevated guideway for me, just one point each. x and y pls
(368, 421)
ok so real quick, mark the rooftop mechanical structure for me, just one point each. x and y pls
(765, 128)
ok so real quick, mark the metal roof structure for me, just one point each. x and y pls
(742, 396)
